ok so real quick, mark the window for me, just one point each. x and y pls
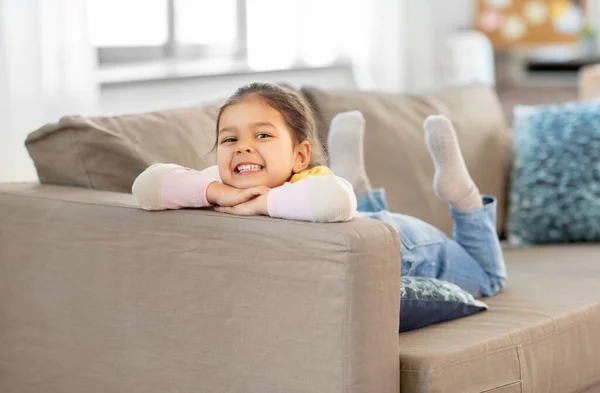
(142, 30)
(266, 34)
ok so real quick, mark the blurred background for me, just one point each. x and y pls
(104, 57)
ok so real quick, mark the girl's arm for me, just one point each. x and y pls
(170, 186)
(317, 198)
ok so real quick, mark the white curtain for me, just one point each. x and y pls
(430, 28)
(380, 61)
(369, 33)
(47, 70)
(394, 45)
(593, 15)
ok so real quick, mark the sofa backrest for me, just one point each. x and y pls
(395, 152)
(108, 153)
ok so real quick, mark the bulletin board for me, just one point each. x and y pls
(510, 23)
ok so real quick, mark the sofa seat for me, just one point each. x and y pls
(542, 327)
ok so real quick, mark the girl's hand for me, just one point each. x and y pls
(253, 207)
(224, 195)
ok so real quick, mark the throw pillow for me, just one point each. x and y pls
(425, 301)
(108, 153)
(555, 186)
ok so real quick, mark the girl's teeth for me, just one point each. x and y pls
(247, 168)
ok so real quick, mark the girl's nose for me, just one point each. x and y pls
(246, 149)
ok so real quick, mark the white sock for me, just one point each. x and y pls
(346, 150)
(452, 182)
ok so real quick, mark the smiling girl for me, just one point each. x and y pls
(269, 162)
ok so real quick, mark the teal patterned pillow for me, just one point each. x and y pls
(425, 301)
(555, 186)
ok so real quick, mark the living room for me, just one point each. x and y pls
(64, 65)
(98, 295)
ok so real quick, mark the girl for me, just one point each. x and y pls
(269, 162)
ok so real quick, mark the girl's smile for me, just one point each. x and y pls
(247, 168)
(256, 146)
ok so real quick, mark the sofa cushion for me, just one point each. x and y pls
(555, 185)
(425, 301)
(395, 152)
(108, 153)
(539, 335)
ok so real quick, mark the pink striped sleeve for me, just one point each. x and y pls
(183, 187)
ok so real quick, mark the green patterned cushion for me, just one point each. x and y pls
(425, 301)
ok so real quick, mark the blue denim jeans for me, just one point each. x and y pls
(472, 260)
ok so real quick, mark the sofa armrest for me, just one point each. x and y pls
(97, 295)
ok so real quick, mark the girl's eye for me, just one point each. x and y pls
(227, 140)
(262, 135)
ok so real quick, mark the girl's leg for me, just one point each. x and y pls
(346, 159)
(346, 152)
(427, 251)
(474, 216)
(372, 201)
(475, 261)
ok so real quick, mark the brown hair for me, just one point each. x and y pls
(296, 112)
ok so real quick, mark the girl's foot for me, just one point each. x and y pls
(346, 151)
(452, 182)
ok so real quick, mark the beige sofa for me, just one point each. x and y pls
(99, 296)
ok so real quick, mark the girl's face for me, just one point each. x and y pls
(256, 147)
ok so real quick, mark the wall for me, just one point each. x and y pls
(134, 97)
(46, 66)
(429, 25)
(382, 65)
(5, 137)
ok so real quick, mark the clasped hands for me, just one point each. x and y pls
(242, 202)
